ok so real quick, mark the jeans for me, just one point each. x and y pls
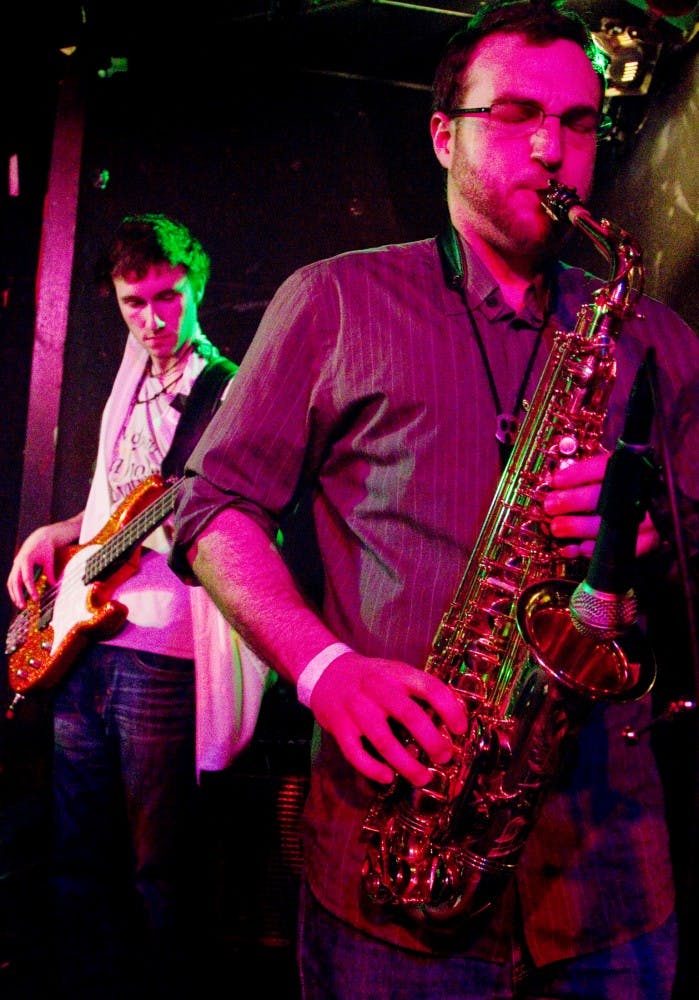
(125, 861)
(339, 963)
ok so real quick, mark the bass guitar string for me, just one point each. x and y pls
(139, 527)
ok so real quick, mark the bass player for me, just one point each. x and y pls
(127, 865)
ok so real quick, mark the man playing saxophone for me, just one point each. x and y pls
(403, 373)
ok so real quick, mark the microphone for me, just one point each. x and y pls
(604, 605)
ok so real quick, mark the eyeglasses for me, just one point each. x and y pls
(523, 118)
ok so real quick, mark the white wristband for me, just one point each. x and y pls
(313, 671)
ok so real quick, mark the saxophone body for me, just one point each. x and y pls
(508, 644)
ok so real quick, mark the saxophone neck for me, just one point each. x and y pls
(623, 254)
(624, 286)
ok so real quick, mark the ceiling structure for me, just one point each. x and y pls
(356, 35)
(393, 40)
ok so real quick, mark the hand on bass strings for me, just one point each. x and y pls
(36, 555)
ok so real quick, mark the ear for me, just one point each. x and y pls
(441, 129)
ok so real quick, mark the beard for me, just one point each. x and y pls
(514, 223)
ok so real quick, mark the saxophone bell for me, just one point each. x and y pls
(587, 663)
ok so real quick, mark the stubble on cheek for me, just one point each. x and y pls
(514, 221)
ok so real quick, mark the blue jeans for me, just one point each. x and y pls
(339, 963)
(125, 861)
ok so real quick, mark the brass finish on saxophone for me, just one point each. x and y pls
(508, 644)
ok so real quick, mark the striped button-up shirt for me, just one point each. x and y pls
(365, 382)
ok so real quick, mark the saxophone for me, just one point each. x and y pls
(509, 644)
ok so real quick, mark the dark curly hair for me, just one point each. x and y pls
(539, 21)
(152, 238)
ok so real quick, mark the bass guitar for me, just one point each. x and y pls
(45, 638)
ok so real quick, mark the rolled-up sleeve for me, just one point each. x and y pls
(255, 450)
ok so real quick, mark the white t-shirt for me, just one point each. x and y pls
(160, 618)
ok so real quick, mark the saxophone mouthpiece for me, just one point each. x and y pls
(562, 203)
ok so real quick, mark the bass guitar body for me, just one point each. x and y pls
(46, 637)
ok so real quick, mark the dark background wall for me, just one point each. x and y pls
(286, 172)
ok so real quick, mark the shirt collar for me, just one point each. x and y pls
(483, 294)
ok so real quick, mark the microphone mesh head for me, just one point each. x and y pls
(601, 615)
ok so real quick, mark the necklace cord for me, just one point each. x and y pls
(488, 368)
(179, 361)
(451, 257)
(163, 389)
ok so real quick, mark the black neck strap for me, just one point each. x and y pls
(451, 257)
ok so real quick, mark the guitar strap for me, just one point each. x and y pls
(197, 410)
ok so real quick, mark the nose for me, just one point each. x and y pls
(153, 321)
(547, 145)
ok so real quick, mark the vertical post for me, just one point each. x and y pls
(52, 301)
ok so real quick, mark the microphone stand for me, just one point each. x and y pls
(688, 916)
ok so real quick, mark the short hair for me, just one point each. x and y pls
(143, 240)
(539, 21)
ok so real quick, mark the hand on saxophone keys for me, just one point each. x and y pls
(360, 699)
(571, 506)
